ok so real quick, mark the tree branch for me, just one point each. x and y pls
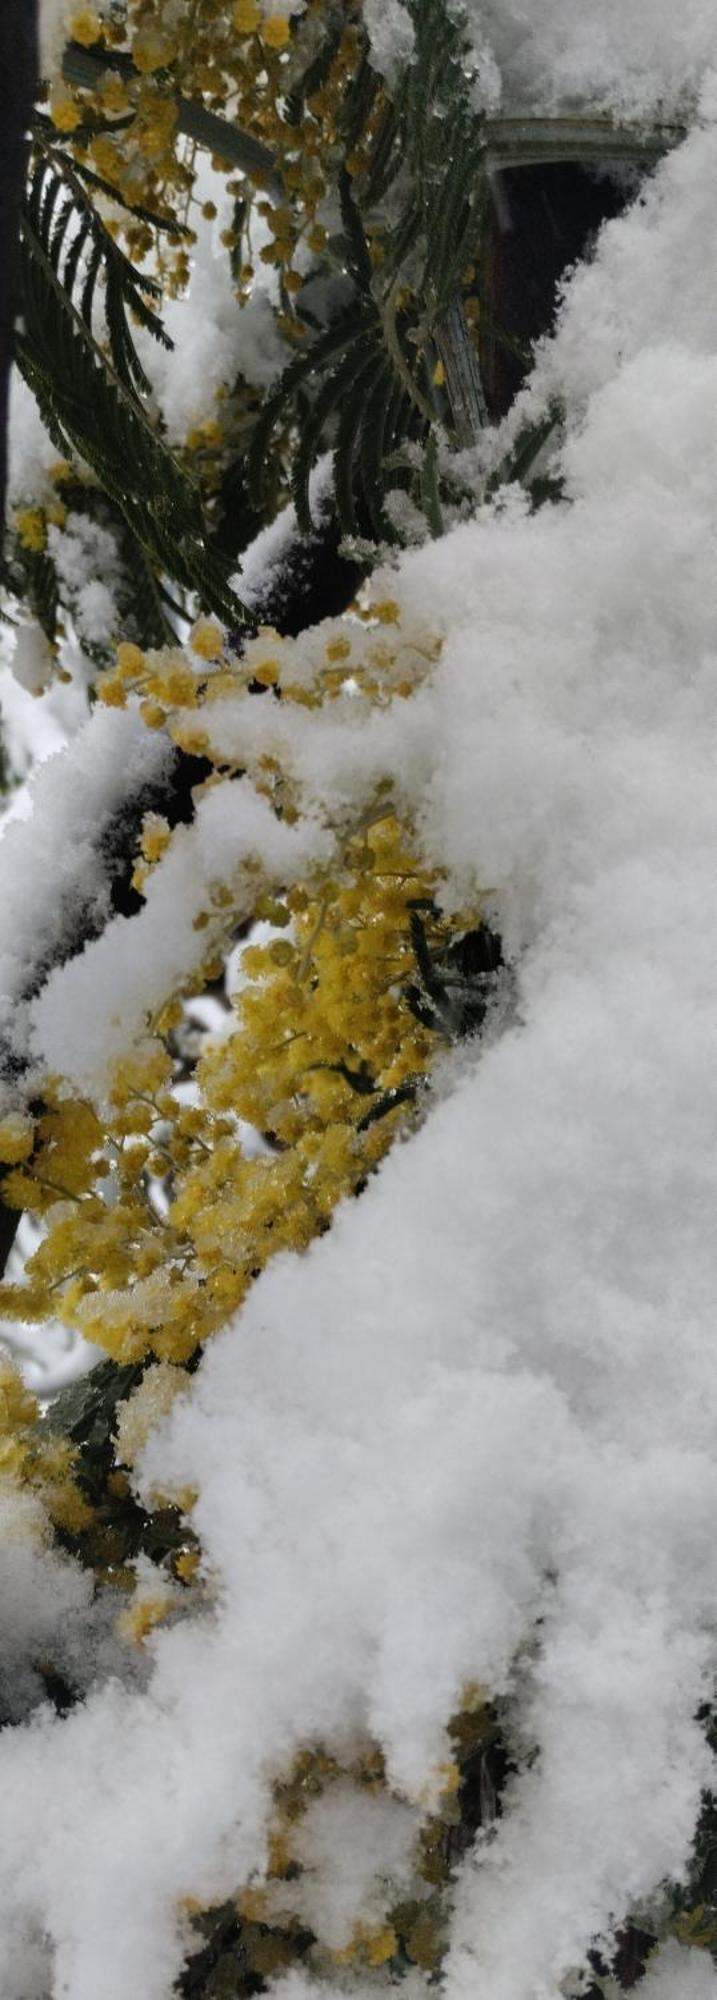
(18, 76)
(84, 67)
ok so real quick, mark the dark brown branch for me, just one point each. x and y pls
(18, 77)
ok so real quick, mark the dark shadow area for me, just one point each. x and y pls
(544, 220)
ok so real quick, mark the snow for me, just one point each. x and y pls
(266, 558)
(216, 343)
(392, 37)
(96, 1004)
(650, 281)
(269, 556)
(30, 449)
(35, 725)
(87, 561)
(469, 1436)
(31, 658)
(53, 869)
(639, 60)
(42, 1596)
(634, 59)
(674, 1971)
(49, 1356)
(54, 27)
(356, 1851)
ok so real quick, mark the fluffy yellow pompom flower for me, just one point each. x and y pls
(85, 26)
(151, 49)
(151, 1400)
(17, 1134)
(18, 1408)
(158, 1217)
(64, 112)
(206, 639)
(143, 1615)
(276, 31)
(30, 524)
(130, 659)
(246, 16)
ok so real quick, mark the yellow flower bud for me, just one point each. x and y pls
(30, 526)
(246, 16)
(17, 1134)
(65, 114)
(276, 32)
(85, 27)
(207, 639)
(130, 659)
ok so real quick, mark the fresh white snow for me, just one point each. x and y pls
(470, 1434)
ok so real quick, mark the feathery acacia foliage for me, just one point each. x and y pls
(91, 395)
(387, 316)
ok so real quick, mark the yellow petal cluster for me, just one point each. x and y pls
(33, 1458)
(159, 1216)
(160, 1210)
(412, 1928)
(218, 54)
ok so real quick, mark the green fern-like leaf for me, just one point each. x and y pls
(62, 213)
(89, 382)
